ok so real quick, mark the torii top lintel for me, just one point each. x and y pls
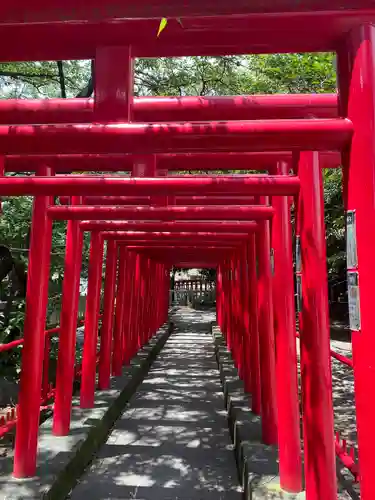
(77, 10)
(73, 29)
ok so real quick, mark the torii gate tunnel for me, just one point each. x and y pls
(241, 225)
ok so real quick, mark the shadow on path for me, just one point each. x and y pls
(172, 443)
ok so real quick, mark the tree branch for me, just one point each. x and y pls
(17, 74)
(89, 89)
(60, 68)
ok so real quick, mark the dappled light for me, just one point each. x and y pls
(172, 442)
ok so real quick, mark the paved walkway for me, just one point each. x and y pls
(172, 442)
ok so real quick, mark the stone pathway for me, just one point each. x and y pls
(344, 412)
(343, 393)
(172, 442)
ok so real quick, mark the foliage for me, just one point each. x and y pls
(251, 74)
(236, 75)
(208, 274)
(335, 225)
(14, 233)
(190, 76)
(41, 79)
(294, 73)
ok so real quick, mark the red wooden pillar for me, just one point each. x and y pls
(161, 302)
(253, 326)
(28, 412)
(114, 86)
(152, 296)
(164, 304)
(91, 321)
(165, 307)
(142, 300)
(286, 354)
(114, 78)
(134, 312)
(225, 301)
(146, 311)
(240, 314)
(108, 315)
(219, 297)
(126, 326)
(229, 308)
(232, 309)
(133, 303)
(144, 166)
(153, 293)
(68, 327)
(149, 292)
(357, 99)
(221, 270)
(137, 302)
(245, 324)
(314, 336)
(266, 333)
(230, 305)
(117, 356)
(237, 316)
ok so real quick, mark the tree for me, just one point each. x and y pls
(43, 79)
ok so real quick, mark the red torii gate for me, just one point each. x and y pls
(259, 27)
(181, 162)
(170, 109)
(273, 28)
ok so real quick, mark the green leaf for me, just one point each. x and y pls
(162, 25)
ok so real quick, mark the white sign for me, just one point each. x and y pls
(354, 302)
(351, 240)
(299, 293)
(298, 254)
(272, 259)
